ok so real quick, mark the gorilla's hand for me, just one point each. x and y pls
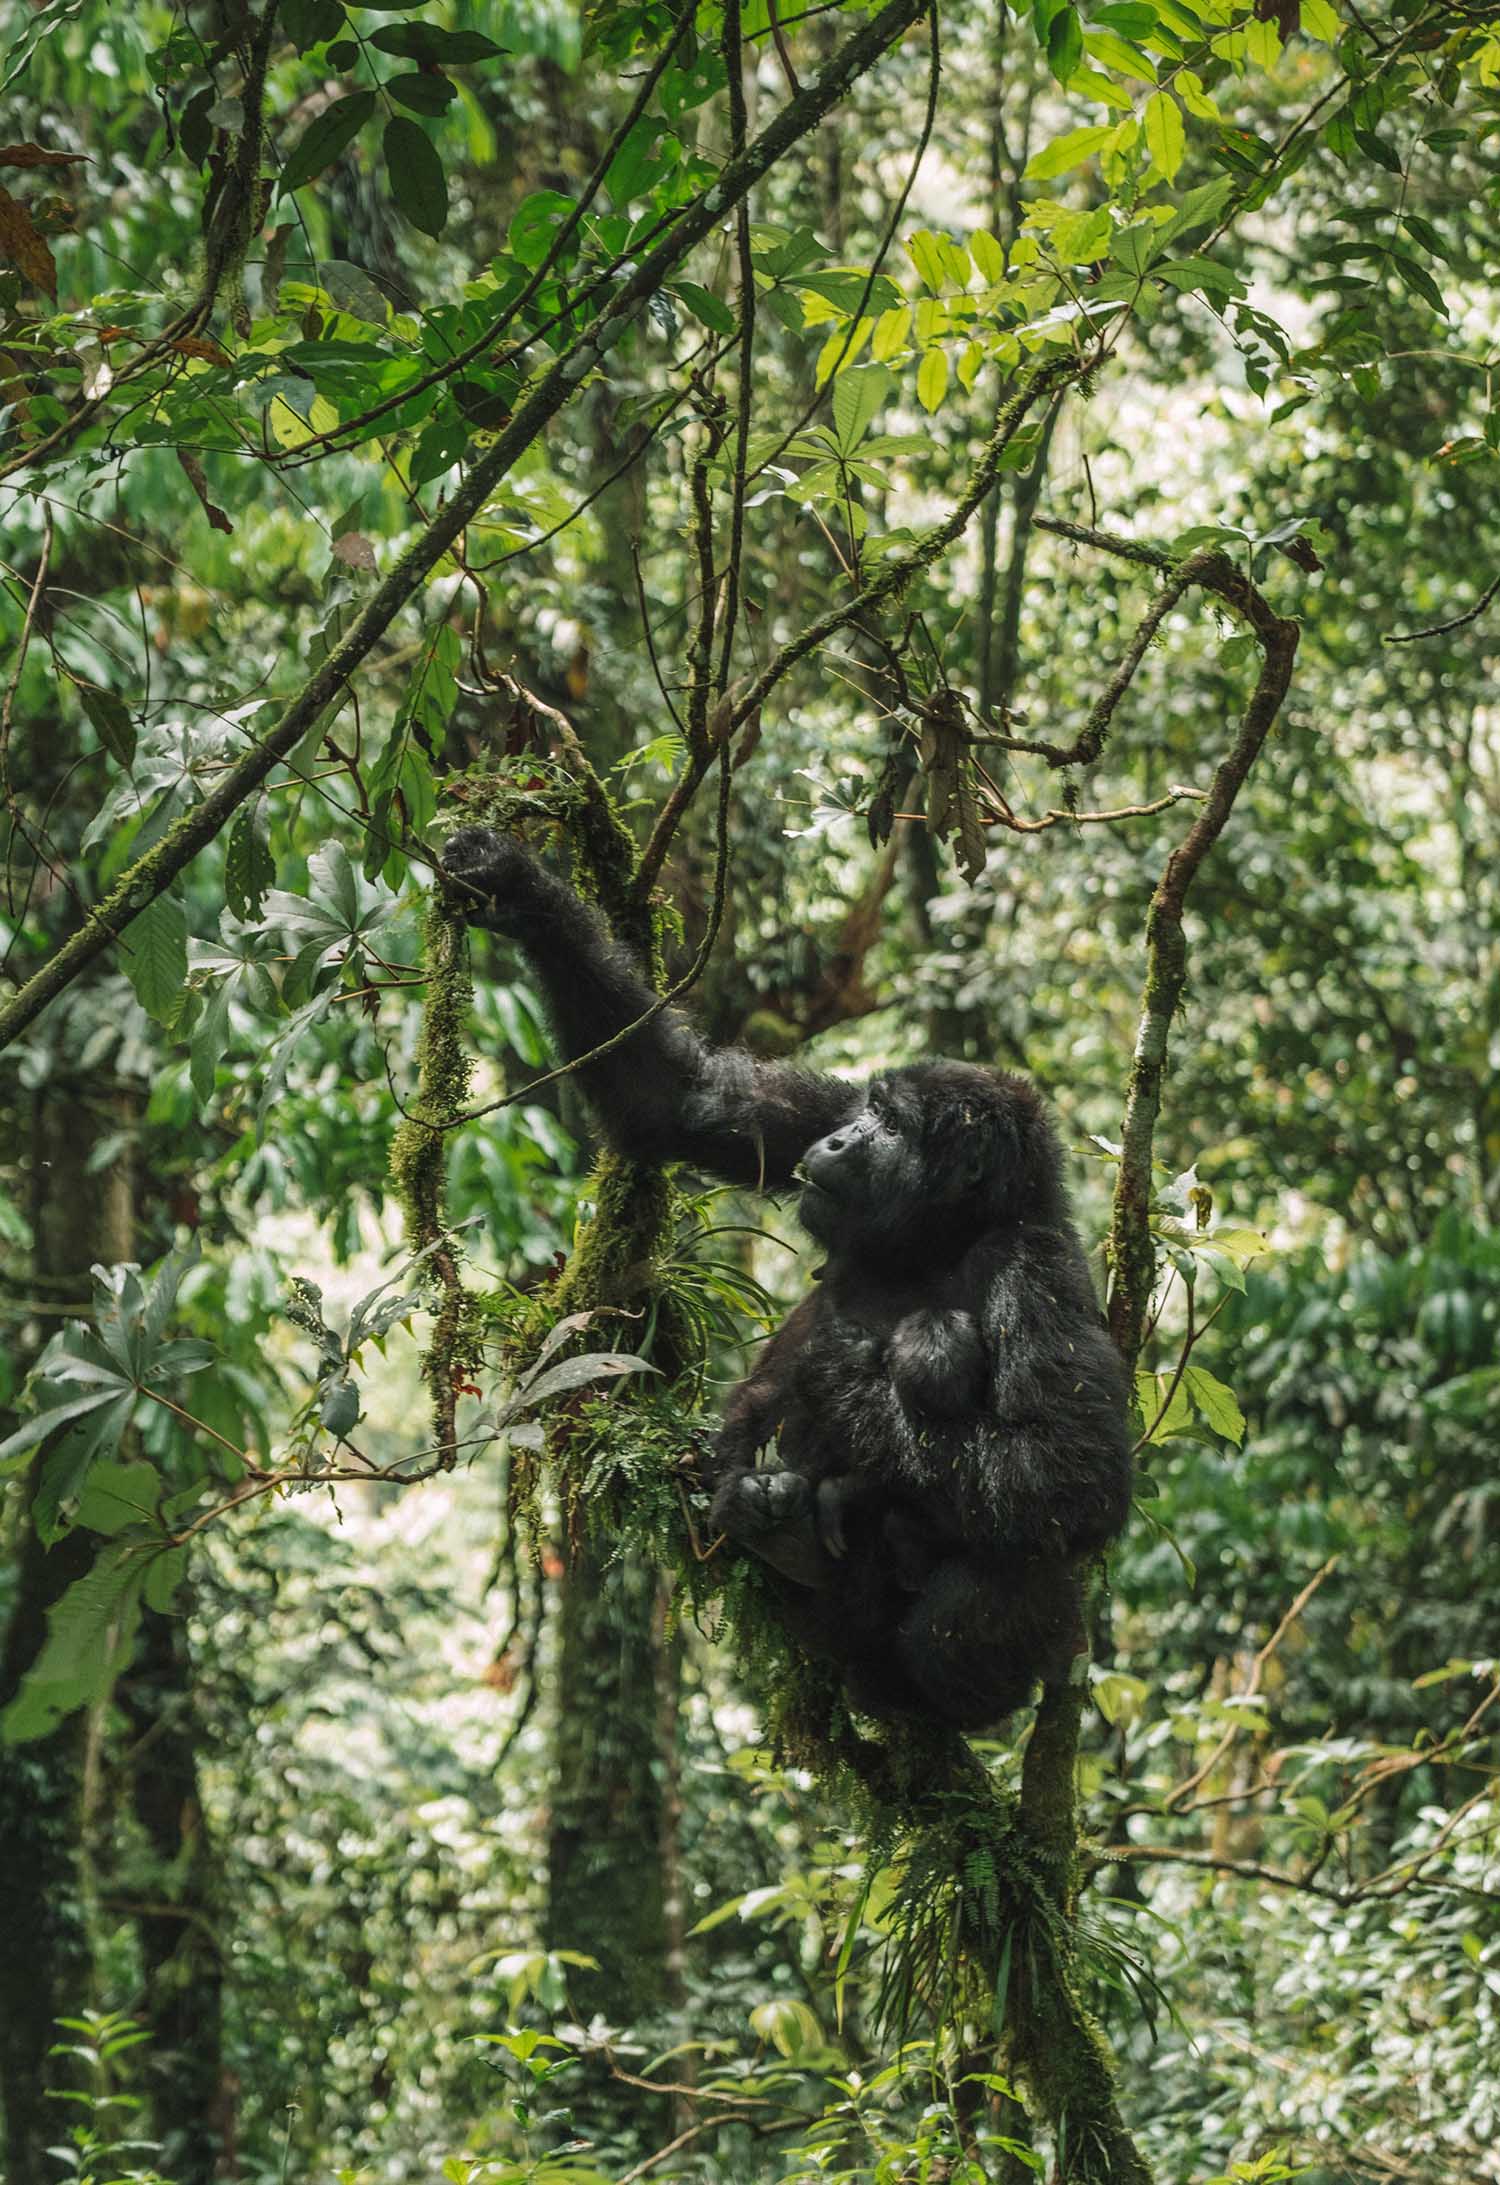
(753, 1504)
(490, 873)
(771, 1513)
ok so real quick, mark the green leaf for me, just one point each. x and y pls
(156, 958)
(1081, 237)
(418, 183)
(113, 722)
(594, 1365)
(425, 92)
(164, 1575)
(988, 256)
(891, 330)
(69, 1462)
(932, 379)
(711, 310)
(857, 399)
(207, 1048)
(925, 249)
(117, 1495)
(635, 168)
(1087, 83)
(1166, 139)
(790, 2025)
(1069, 150)
(311, 22)
(1375, 147)
(52, 1420)
(533, 223)
(90, 1629)
(1189, 88)
(427, 45)
(249, 869)
(1115, 53)
(1064, 44)
(322, 141)
(1419, 281)
(1198, 208)
(1217, 1403)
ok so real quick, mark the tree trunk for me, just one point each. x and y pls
(46, 1965)
(181, 1961)
(606, 1883)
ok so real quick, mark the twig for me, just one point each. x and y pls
(888, 236)
(1441, 629)
(1185, 1789)
(23, 642)
(692, 2132)
(464, 357)
(1055, 817)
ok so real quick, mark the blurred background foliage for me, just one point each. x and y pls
(403, 1852)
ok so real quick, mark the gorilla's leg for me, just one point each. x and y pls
(852, 1623)
(974, 1644)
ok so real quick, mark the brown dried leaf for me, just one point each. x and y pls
(22, 247)
(199, 345)
(972, 846)
(37, 155)
(198, 480)
(354, 550)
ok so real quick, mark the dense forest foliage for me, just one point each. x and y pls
(964, 530)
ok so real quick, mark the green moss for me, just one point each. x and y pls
(419, 1162)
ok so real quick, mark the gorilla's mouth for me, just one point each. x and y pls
(803, 1176)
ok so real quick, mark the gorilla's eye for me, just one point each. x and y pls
(883, 1108)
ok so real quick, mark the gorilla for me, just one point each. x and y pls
(948, 1410)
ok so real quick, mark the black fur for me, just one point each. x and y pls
(948, 1409)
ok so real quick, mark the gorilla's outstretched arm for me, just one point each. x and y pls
(662, 1094)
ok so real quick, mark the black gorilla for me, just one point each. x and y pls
(949, 1409)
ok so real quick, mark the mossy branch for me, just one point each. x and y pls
(419, 1166)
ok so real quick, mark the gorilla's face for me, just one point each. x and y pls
(911, 1171)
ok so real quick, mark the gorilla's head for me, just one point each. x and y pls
(940, 1154)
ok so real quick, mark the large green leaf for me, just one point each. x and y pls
(90, 1629)
(157, 960)
(322, 141)
(417, 180)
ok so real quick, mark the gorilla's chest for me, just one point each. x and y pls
(837, 1374)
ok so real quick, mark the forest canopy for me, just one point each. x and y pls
(960, 531)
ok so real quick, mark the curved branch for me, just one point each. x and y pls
(1131, 1253)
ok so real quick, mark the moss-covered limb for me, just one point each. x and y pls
(419, 1165)
(1063, 2063)
(153, 873)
